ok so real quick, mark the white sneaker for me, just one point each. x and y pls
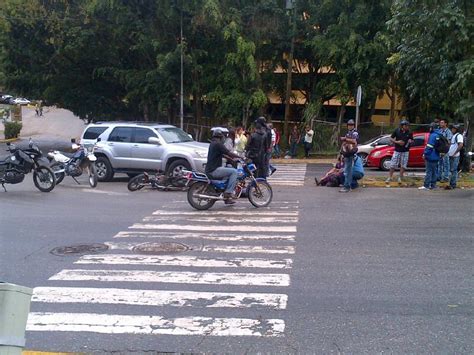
(423, 188)
(388, 180)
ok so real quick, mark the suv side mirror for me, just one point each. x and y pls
(99, 139)
(154, 140)
(373, 144)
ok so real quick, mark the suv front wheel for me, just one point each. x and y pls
(104, 169)
(175, 169)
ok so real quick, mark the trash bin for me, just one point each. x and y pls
(14, 309)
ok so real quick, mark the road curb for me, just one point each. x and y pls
(32, 352)
(410, 184)
(9, 140)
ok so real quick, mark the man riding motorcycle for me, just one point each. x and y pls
(214, 168)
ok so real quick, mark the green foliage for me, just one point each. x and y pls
(435, 65)
(122, 59)
(12, 129)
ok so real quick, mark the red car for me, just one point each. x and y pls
(380, 157)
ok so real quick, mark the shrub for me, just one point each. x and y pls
(12, 129)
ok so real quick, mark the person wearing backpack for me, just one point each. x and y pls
(443, 165)
(432, 157)
(457, 143)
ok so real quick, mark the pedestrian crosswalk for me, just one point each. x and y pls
(238, 259)
(291, 175)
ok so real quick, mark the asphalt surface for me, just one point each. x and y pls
(375, 270)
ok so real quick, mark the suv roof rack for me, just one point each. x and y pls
(145, 123)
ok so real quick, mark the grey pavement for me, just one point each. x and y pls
(375, 270)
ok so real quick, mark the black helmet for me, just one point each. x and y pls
(456, 126)
(404, 122)
(217, 133)
(261, 120)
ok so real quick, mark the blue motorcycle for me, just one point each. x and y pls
(204, 191)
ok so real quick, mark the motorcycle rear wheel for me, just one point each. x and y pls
(260, 194)
(136, 183)
(44, 179)
(93, 178)
(59, 176)
(198, 202)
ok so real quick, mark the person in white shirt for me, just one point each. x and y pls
(457, 142)
(308, 141)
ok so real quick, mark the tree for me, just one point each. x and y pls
(434, 56)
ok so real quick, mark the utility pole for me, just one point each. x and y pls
(181, 95)
(290, 5)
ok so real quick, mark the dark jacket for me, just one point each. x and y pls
(256, 146)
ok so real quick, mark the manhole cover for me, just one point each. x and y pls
(80, 249)
(160, 248)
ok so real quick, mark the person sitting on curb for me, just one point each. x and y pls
(457, 142)
(335, 176)
(432, 158)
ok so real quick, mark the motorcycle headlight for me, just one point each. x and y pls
(200, 154)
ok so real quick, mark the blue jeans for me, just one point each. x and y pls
(431, 173)
(293, 146)
(453, 163)
(223, 173)
(356, 175)
(276, 150)
(443, 168)
(348, 166)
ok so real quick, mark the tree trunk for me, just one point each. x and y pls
(393, 100)
(337, 128)
(289, 78)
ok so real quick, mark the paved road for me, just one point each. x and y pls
(374, 270)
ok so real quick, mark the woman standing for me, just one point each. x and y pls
(240, 141)
(293, 141)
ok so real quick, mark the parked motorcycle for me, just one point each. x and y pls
(204, 191)
(23, 161)
(74, 166)
(158, 181)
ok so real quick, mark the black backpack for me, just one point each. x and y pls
(442, 144)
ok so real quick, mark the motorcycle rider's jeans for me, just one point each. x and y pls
(223, 173)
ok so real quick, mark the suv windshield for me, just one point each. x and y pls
(174, 135)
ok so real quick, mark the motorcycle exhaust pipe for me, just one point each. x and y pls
(208, 197)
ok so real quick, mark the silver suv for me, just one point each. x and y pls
(132, 147)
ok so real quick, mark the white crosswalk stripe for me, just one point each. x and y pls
(158, 297)
(264, 263)
(288, 175)
(183, 260)
(120, 324)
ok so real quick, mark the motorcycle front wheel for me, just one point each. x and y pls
(136, 183)
(59, 176)
(260, 194)
(199, 203)
(93, 178)
(44, 179)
